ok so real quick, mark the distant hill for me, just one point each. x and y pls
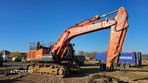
(145, 56)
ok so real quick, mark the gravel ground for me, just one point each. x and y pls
(88, 74)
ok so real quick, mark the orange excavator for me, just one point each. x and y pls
(58, 59)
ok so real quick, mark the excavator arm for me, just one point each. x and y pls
(117, 36)
(118, 27)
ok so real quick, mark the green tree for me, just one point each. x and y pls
(1, 60)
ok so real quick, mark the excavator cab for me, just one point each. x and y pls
(37, 52)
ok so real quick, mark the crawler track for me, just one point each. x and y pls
(49, 69)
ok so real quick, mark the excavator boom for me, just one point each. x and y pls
(118, 27)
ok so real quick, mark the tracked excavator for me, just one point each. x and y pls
(58, 59)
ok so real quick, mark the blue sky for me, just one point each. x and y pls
(24, 21)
